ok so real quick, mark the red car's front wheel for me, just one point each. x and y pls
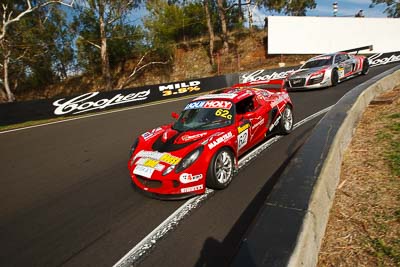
(221, 169)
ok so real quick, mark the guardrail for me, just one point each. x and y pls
(289, 228)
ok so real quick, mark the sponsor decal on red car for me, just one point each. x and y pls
(164, 157)
(147, 135)
(218, 104)
(187, 138)
(143, 171)
(191, 189)
(209, 104)
(220, 140)
(186, 178)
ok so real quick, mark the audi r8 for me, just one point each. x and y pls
(202, 146)
(327, 70)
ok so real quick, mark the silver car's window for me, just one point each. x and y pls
(317, 63)
(341, 57)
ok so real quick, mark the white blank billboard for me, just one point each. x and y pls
(319, 35)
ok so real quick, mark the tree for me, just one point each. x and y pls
(210, 28)
(392, 7)
(106, 14)
(289, 7)
(12, 12)
(222, 11)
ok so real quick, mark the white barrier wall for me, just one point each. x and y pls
(319, 35)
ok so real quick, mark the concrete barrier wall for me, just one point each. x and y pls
(319, 35)
(289, 228)
(312, 232)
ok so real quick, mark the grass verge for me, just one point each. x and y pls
(364, 223)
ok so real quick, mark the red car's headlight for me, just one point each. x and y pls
(189, 159)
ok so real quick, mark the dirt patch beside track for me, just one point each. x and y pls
(364, 223)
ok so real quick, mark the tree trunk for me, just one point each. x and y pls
(221, 11)
(105, 64)
(210, 30)
(250, 17)
(241, 18)
(10, 95)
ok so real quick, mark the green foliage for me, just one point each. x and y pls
(123, 39)
(382, 249)
(40, 47)
(164, 21)
(292, 7)
(124, 43)
(196, 20)
(86, 26)
(392, 7)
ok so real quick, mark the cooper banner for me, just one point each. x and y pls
(266, 74)
(384, 58)
(11, 113)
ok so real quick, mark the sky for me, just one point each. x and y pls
(346, 8)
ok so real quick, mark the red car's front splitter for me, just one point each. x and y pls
(164, 196)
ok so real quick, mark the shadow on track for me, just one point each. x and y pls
(216, 253)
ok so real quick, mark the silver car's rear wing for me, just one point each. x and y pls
(369, 47)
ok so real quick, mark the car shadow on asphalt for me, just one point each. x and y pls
(218, 254)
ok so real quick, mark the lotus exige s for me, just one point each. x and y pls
(201, 148)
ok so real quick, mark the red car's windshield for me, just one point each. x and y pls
(205, 115)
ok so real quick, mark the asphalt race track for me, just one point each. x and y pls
(66, 198)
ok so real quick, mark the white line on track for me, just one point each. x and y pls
(183, 211)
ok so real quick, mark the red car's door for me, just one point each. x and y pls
(250, 124)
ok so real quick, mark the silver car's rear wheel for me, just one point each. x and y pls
(365, 68)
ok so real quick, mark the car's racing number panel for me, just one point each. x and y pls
(143, 171)
(243, 135)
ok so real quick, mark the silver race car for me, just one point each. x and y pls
(327, 70)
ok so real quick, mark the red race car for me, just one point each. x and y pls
(201, 148)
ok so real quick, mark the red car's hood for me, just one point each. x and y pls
(166, 139)
(183, 137)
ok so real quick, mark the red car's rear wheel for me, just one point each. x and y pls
(286, 123)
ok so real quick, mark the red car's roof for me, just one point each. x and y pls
(240, 91)
(233, 95)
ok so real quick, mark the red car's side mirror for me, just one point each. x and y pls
(248, 115)
(175, 115)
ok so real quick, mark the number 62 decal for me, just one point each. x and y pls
(224, 113)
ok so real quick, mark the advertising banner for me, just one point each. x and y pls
(11, 113)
